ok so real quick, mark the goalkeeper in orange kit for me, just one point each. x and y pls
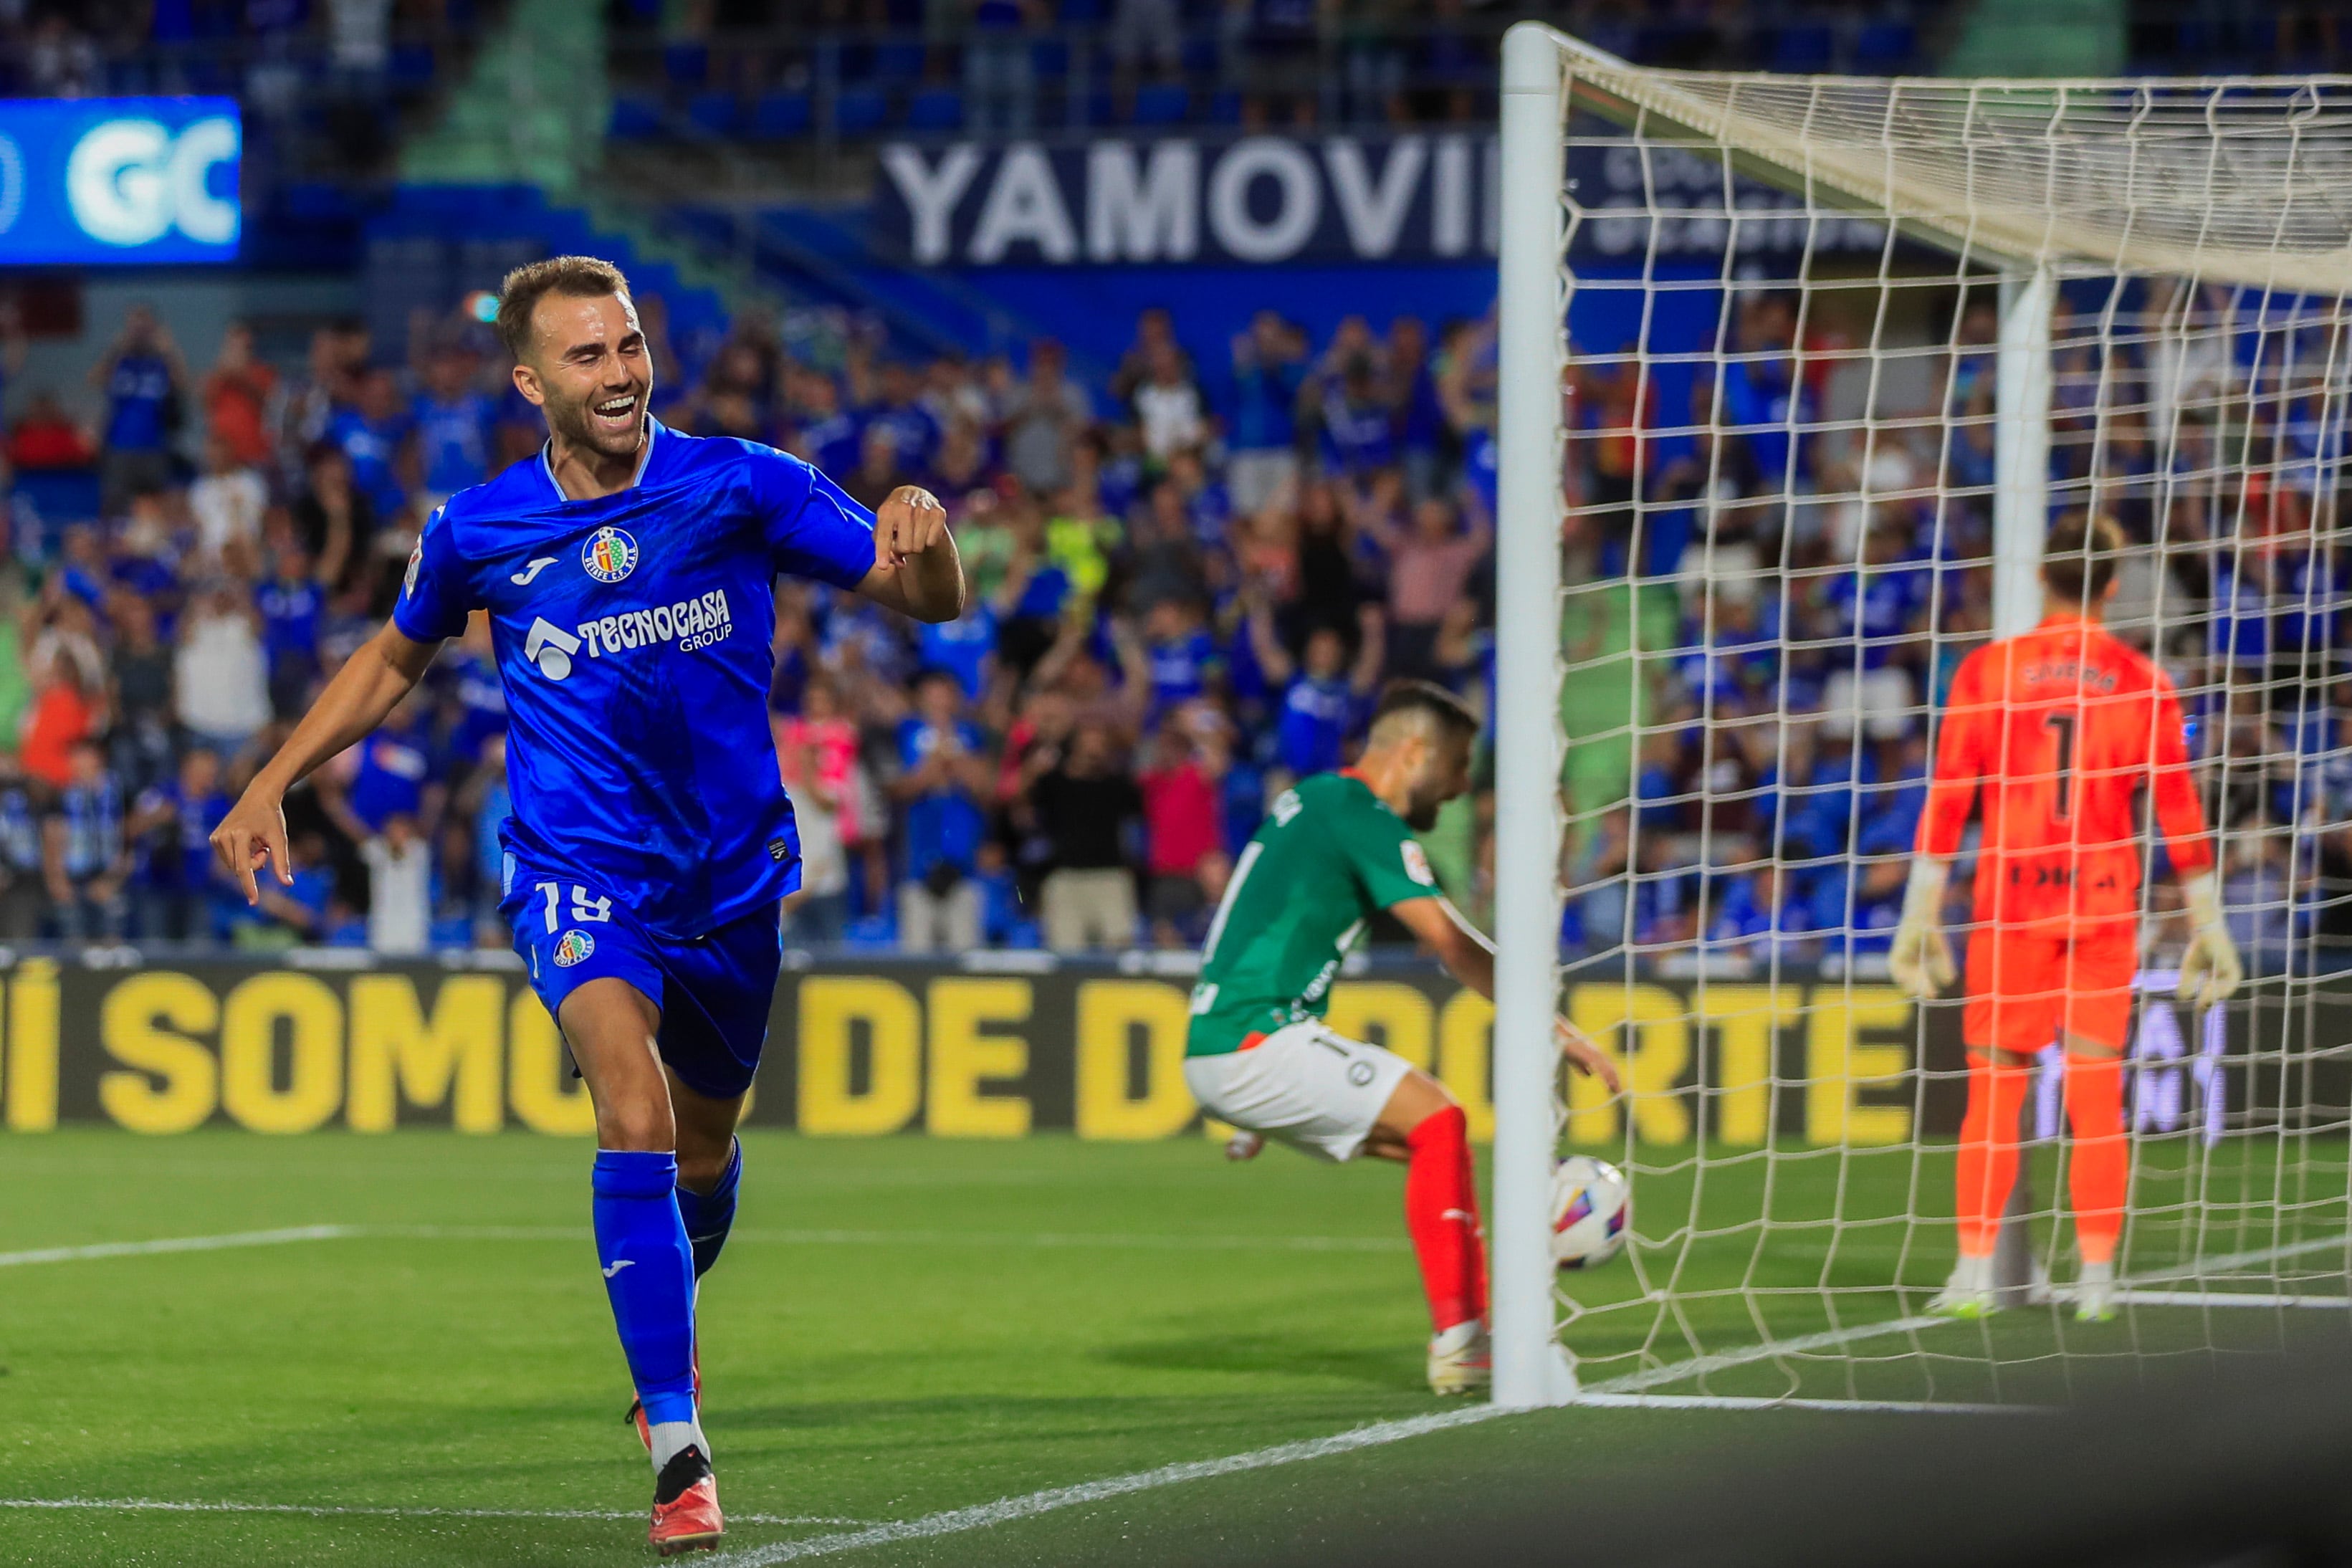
(2061, 729)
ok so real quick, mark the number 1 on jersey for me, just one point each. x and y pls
(2064, 724)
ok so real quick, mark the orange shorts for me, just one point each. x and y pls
(2027, 984)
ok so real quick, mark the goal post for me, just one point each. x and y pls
(1866, 334)
(1529, 444)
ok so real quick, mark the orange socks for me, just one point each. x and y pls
(1988, 1158)
(2100, 1162)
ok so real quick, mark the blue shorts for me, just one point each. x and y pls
(714, 991)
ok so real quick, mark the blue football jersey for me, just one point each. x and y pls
(634, 636)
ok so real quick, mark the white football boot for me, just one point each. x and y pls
(1460, 1359)
(2094, 1293)
(1969, 1292)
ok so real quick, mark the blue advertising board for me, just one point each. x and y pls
(121, 180)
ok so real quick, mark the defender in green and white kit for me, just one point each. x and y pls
(1333, 851)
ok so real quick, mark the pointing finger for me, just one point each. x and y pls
(278, 858)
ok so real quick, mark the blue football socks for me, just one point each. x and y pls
(710, 1215)
(649, 1275)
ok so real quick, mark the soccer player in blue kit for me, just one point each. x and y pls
(629, 575)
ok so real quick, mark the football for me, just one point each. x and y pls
(1591, 1203)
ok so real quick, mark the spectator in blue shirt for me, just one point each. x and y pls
(946, 775)
(396, 775)
(1358, 439)
(1880, 611)
(145, 381)
(1323, 699)
(1180, 654)
(1758, 914)
(1415, 409)
(488, 804)
(1262, 436)
(965, 648)
(453, 423)
(174, 882)
(291, 603)
(822, 433)
(373, 435)
(899, 411)
(85, 852)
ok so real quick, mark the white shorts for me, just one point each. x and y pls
(1314, 1090)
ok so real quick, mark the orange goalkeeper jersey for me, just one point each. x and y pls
(2062, 728)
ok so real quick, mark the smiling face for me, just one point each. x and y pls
(587, 365)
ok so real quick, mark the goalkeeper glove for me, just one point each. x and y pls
(2209, 970)
(1921, 958)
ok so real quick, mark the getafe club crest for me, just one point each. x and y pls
(572, 947)
(609, 555)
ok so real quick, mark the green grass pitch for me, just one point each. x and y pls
(899, 1327)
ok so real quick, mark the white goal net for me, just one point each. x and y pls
(1797, 374)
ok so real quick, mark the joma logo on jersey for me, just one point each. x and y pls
(691, 623)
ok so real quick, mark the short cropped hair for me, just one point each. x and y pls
(571, 277)
(2079, 559)
(1420, 702)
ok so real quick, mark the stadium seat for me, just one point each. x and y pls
(635, 120)
(686, 65)
(935, 110)
(860, 111)
(1084, 13)
(1049, 59)
(1202, 56)
(1226, 106)
(1167, 104)
(779, 116)
(412, 65)
(1886, 49)
(898, 61)
(1804, 50)
(714, 113)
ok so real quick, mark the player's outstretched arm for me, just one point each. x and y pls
(1469, 957)
(916, 570)
(371, 681)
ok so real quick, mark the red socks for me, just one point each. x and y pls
(1441, 1210)
(2099, 1175)
(1987, 1156)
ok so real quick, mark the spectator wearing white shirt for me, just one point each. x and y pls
(220, 677)
(227, 502)
(1168, 407)
(400, 889)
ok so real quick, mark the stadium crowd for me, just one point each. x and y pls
(1188, 586)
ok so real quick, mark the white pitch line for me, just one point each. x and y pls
(1723, 1361)
(2226, 1299)
(177, 1244)
(1005, 1511)
(1068, 1240)
(1737, 1402)
(320, 1510)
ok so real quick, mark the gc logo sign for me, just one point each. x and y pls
(131, 181)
